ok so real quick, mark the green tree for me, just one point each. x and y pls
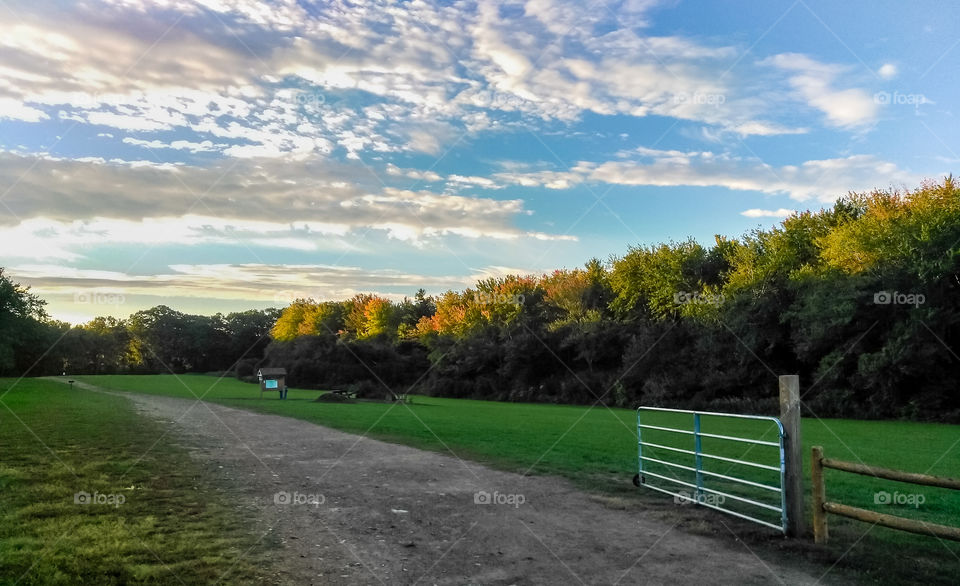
(23, 328)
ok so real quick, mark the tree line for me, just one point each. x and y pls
(156, 340)
(859, 299)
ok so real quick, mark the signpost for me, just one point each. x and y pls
(273, 379)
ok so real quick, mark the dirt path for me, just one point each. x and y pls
(379, 513)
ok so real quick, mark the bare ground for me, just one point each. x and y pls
(392, 514)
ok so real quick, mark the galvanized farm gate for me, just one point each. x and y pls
(694, 464)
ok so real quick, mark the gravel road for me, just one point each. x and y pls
(352, 510)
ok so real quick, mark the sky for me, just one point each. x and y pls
(223, 155)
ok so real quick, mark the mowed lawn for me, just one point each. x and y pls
(150, 516)
(597, 449)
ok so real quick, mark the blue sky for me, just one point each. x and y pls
(218, 155)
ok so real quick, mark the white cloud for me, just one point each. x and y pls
(473, 181)
(814, 82)
(759, 213)
(184, 145)
(552, 60)
(415, 174)
(528, 66)
(424, 141)
(12, 109)
(275, 284)
(237, 201)
(70, 55)
(887, 71)
(42, 238)
(124, 122)
(548, 179)
(755, 128)
(822, 180)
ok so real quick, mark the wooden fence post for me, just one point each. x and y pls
(793, 453)
(820, 531)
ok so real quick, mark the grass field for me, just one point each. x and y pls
(596, 448)
(149, 516)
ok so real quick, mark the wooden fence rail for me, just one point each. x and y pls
(821, 506)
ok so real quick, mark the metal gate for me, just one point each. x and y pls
(654, 465)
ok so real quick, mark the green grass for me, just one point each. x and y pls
(55, 443)
(515, 436)
(596, 448)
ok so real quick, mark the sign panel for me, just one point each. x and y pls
(271, 384)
